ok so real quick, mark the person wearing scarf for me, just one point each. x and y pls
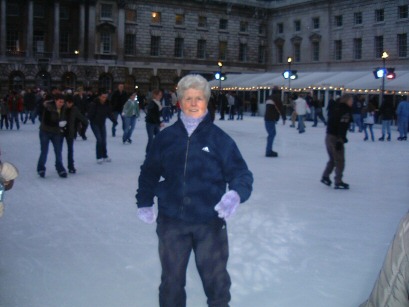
(189, 167)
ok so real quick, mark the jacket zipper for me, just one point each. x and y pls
(184, 174)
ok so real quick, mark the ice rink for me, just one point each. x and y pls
(77, 242)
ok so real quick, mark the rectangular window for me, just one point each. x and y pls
(261, 54)
(316, 23)
(130, 44)
(223, 24)
(338, 50)
(403, 11)
(12, 41)
(179, 45)
(262, 29)
(105, 42)
(379, 15)
(64, 42)
(155, 45)
(403, 45)
(64, 13)
(12, 9)
(201, 49)
(297, 52)
(315, 51)
(222, 50)
(155, 18)
(297, 25)
(378, 46)
(280, 28)
(38, 10)
(280, 54)
(243, 26)
(243, 52)
(339, 22)
(357, 48)
(38, 41)
(130, 15)
(106, 11)
(202, 22)
(179, 19)
(357, 18)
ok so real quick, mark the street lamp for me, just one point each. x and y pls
(385, 55)
(219, 75)
(290, 74)
(383, 72)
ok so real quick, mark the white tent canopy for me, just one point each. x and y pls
(344, 80)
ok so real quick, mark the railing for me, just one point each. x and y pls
(15, 53)
(106, 56)
(42, 55)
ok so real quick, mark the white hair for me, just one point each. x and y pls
(196, 82)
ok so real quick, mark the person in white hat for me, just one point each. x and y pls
(8, 172)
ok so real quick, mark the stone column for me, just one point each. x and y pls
(82, 31)
(3, 29)
(30, 25)
(56, 42)
(91, 32)
(121, 33)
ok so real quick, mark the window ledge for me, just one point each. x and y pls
(402, 20)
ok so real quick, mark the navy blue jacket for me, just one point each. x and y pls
(339, 120)
(189, 175)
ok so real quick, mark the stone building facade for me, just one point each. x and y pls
(340, 35)
(152, 43)
(141, 43)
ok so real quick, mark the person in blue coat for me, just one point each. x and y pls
(402, 112)
(189, 167)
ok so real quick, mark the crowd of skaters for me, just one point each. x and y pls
(67, 114)
(86, 108)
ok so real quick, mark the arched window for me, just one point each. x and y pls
(16, 81)
(69, 81)
(105, 82)
(129, 85)
(43, 80)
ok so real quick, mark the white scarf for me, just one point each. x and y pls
(158, 104)
(191, 123)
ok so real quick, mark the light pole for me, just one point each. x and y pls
(289, 60)
(385, 55)
(383, 72)
(220, 64)
(290, 75)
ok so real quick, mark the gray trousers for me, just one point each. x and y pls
(177, 239)
(336, 158)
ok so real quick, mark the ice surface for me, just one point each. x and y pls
(77, 242)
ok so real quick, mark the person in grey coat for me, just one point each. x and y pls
(392, 286)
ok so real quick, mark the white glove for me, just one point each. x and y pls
(62, 123)
(228, 204)
(147, 215)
